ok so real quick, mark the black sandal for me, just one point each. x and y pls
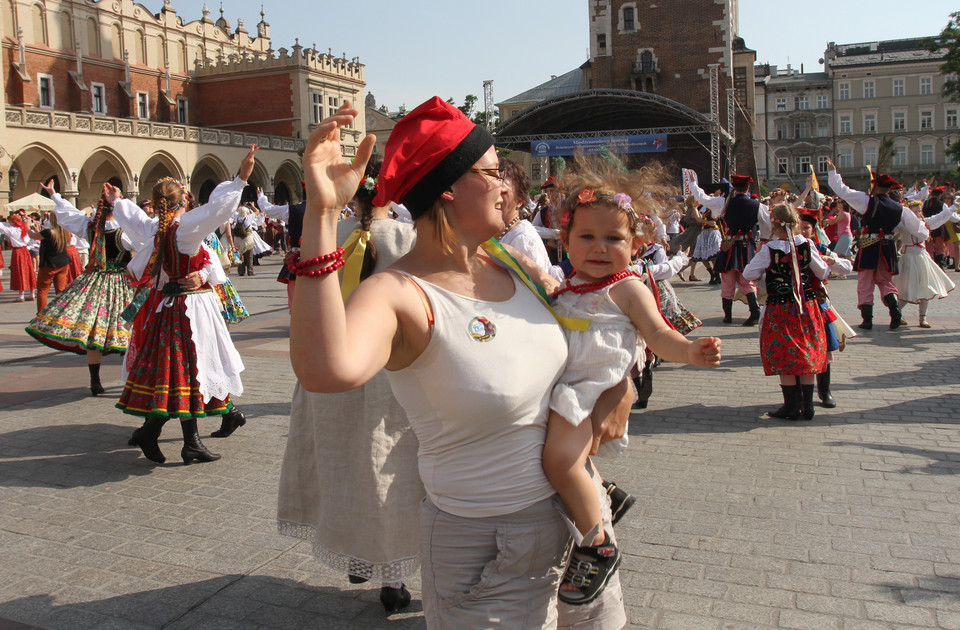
(589, 571)
(620, 501)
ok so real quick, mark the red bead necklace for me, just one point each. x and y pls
(588, 287)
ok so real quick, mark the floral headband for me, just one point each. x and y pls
(368, 184)
(623, 201)
(184, 195)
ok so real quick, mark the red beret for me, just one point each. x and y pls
(550, 183)
(428, 150)
(938, 190)
(741, 180)
(886, 181)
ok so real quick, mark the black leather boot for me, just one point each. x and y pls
(823, 389)
(896, 317)
(807, 395)
(193, 449)
(146, 438)
(644, 384)
(727, 310)
(230, 422)
(754, 310)
(95, 387)
(792, 401)
(866, 311)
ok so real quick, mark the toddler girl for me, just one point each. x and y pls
(601, 228)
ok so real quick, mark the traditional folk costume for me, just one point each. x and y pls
(75, 265)
(936, 244)
(877, 259)
(921, 279)
(661, 269)
(739, 214)
(243, 225)
(292, 215)
(708, 243)
(353, 455)
(188, 366)
(233, 310)
(792, 338)
(87, 314)
(23, 277)
(837, 331)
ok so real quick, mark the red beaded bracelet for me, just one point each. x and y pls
(313, 273)
(298, 268)
(294, 262)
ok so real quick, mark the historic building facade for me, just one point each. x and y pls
(890, 91)
(99, 89)
(692, 74)
(794, 125)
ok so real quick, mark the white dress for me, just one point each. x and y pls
(920, 278)
(598, 358)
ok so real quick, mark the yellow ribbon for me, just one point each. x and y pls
(495, 249)
(353, 250)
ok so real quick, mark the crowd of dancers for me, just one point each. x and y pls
(462, 350)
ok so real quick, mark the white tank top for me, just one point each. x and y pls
(477, 398)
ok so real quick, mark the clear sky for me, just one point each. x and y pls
(413, 50)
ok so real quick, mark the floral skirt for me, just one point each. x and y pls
(233, 310)
(86, 315)
(163, 381)
(674, 311)
(793, 344)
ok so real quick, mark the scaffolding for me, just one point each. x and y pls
(715, 122)
(488, 103)
(732, 127)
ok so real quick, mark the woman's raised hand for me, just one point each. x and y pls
(331, 182)
(246, 164)
(111, 192)
(48, 187)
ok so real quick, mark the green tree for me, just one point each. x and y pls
(948, 44)
(468, 107)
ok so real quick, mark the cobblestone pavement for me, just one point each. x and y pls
(847, 522)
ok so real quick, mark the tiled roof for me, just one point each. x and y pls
(901, 56)
(564, 84)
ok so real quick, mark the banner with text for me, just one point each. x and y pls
(649, 143)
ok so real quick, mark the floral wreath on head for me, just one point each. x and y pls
(622, 200)
(368, 184)
(184, 195)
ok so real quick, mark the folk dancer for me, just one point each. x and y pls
(877, 259)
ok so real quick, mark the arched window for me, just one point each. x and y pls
(116, 41)
(182, 61)
(201, 55)
(9, 18)
(92, 44)
(140, 50)
(161, 51)
(66, 31)
(39, 15)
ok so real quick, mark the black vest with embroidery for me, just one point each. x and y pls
(931, 208)
(883, 215)
(779, 276)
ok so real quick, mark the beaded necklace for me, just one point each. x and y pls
(509, 226)
(588, 287)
